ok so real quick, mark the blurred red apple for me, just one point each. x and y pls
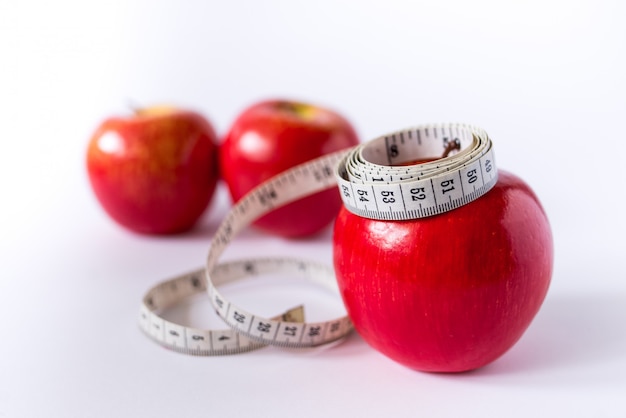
(272, 136)
(154, 171)
(451, 292)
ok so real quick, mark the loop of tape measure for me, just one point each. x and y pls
(376, 182)
(224, 341)
(377, 179)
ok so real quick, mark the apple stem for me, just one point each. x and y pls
(133, 105)
(454, 145)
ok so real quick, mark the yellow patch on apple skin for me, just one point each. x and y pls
(301, 110)
(158, 110)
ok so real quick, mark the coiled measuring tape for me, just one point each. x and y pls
(379, 179)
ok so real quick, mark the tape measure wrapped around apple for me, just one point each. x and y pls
(441, 261)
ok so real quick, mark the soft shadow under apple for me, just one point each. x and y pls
(573, 333)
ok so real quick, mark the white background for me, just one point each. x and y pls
(545, 78)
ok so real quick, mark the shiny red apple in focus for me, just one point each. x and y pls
(275, 135)
(154, 171)
(451, 292)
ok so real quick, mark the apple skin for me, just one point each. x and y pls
(272, 136)
(155, 171)
(451, 292)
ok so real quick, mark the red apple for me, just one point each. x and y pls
(154, 171)
(451, 292)
(272, 136)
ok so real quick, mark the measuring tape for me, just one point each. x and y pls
(224, 341)
(376, 183)
(378, 179)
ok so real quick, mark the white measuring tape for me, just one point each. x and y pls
(225, 341)
(377, 179)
